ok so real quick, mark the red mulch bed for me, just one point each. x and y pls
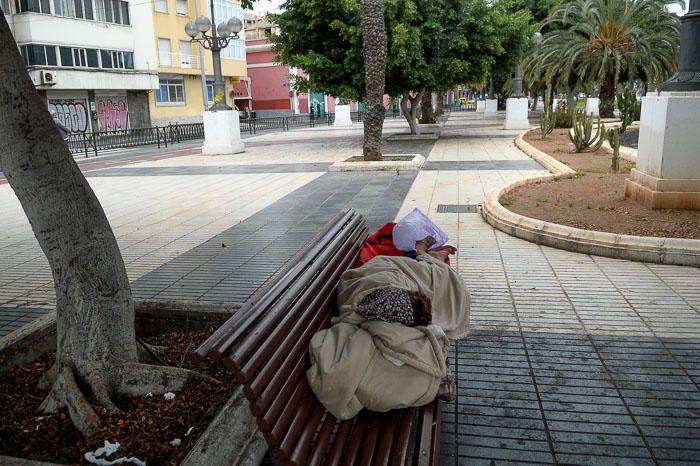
(145, 429)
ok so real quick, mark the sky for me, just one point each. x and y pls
(272, 6)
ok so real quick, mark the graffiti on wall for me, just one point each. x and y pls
(112, 113)
(72, 113)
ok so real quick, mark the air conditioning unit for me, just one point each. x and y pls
(48, 77)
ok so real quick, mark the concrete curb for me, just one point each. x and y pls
(547, 161)
(673, 251)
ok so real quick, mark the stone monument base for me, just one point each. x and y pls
(342, 116)
(663, 193)
(480, 106)
(490, 107)
(667, 175)
(222, 133)
(516, 113)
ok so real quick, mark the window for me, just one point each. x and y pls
(80, 58)
(170, 91)
(106, 58)
(181, 7)
(210, 91)
(125, 13)
(162, 6)
(39, 55)
(66, 54)
(35, 6)
(63, 7)
(111, 11)
(225, 9)
(187, 59)
(5, 7)
(164, 54)
(92, 58)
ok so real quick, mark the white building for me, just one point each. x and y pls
(93, 61)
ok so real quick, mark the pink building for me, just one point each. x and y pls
(271, 83)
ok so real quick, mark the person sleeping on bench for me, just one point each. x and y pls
(387, 348)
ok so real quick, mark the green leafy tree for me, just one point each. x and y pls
(611, 41)
(432, 45)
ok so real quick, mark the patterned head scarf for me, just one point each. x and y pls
(388, 304)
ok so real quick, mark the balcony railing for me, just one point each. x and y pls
(179, 60)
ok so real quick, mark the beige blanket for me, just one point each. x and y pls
(359, 364)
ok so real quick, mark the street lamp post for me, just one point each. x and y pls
(222, 131)
(217, 39)
(517, 105)
(687, 79)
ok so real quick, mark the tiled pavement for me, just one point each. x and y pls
(573, 359)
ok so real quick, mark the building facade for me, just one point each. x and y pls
(93, 61)
(185, 71)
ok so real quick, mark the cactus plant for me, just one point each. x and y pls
(549, 117)
(630, 108)
(581, 135)
(614, 140)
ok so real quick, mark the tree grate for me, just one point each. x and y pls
(457, 208)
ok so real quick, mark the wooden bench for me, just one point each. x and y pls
(265, 346)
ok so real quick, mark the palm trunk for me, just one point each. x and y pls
(607, 96)
(374, 51)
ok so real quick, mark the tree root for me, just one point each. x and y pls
(137, 379)
(123, 378)
(65, 393)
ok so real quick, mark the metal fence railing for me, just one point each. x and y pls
(94, 142)
(156, 135)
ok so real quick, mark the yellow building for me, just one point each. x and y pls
(181, 94)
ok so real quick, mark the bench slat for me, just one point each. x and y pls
(355, 440)
(287, 441)
(384, 446)
(403, 435)
(310, 298)
(338, 445)
(369, 442)
(274, 432)
(303, 445)
(323, 440)
(426, 450)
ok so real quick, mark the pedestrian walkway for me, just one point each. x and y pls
(572, 359)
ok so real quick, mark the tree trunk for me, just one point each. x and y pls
(607, 96)
(440, 103)
(96, 343)
(570, 94)
(410, 113)
(427, 115)
(535, 96)
(374, 52)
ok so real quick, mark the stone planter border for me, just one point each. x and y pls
(427, 136)
(407, 165)
(675, 251)
(231, 438)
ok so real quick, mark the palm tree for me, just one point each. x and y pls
(611, 41)
(374, 45)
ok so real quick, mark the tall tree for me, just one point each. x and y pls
(608, 41)
(96, 343)
(374, 53)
